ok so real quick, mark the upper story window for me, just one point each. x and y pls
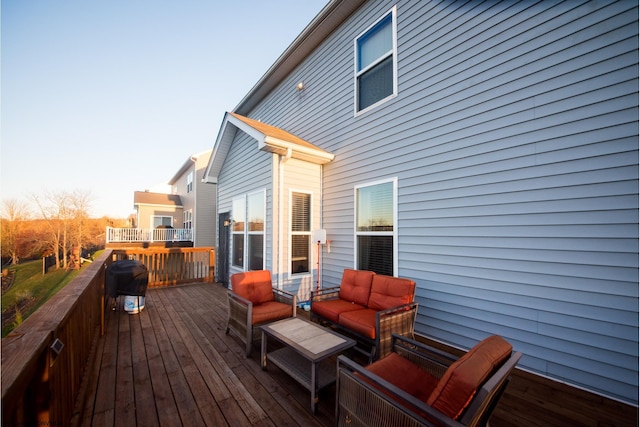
(190, 182)
(248, 230)
(376, 230)
(300, 232)
(376, 63)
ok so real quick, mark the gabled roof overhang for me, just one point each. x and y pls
(270, 139)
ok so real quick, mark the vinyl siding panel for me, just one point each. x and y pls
(247, 170)
(514, 138)
(206, 221)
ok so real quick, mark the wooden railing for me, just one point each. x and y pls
(45, 359)
(130, 235)
(172, 266)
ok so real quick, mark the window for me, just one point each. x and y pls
(162, 221)
(376, 231)
(187, 219)
(376, 63)
(255, 218)
(300, 232)
(190, 182)
(248, 229)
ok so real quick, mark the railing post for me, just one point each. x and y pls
(212, 258)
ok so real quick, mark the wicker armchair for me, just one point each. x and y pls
(253, 301)
(417, 385)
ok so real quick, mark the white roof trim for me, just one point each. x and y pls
(231, 124)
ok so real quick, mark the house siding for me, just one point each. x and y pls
(304, 177)
(247, 170)
(514, 139)
(205, 218)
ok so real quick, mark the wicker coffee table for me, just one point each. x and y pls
(307, 346)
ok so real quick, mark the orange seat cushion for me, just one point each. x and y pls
(405, 375)
(270, 311)
(332, 309)
(360, 321)
(388, 292)
(356, 286)
(462, 379)
(255, 286)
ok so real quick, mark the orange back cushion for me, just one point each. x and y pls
(356, 286)
(462, 379)
(388, 292)
(255, 286)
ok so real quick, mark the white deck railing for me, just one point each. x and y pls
(120, 235)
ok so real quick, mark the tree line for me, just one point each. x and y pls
(54, 224)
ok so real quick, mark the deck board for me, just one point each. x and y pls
(172, 364)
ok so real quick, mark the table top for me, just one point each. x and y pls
(309, 339)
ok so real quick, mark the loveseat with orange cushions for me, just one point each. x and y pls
(369, 307)
(419, 385)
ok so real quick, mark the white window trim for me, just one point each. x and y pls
(153, 217)
(311, 252)
(246, 232)
(393, 233)
(394, 35)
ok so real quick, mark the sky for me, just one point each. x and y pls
(112, 97)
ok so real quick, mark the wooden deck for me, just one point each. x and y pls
(173, 365)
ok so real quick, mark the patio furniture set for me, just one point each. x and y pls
(404, 383)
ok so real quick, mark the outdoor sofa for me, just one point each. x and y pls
(369, 307)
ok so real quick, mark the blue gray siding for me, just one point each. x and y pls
(514, 138)
(246, 170)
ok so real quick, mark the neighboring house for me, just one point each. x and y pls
(486, 150)
(186, 217)
(155, 210)
(198, 199)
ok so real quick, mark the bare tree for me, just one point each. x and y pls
(54, 210)
(66, 214)
(80, 202)
(14, 214)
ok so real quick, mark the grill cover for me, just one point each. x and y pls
(126, 277)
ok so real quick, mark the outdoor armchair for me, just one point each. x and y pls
(254, 301)
(417, 385)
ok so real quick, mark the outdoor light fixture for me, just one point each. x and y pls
(56, 348)
(300, 86)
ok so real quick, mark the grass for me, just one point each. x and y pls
(31, 289)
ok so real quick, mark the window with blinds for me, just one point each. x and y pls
(376, 227)
(375, 63)
(300, 232)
